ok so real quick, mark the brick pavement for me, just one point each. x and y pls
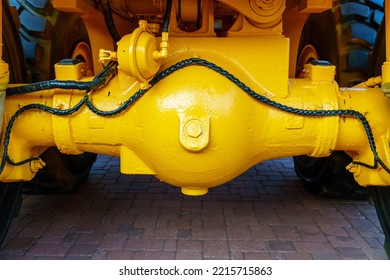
(263, 214)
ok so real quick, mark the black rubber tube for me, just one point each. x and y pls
(167, 15)
(109, 20)
(100, 80)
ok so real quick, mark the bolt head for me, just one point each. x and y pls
(193, 128)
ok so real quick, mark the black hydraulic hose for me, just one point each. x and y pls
(109, 20)
(180, 65)
(167, 16)
(100, 80)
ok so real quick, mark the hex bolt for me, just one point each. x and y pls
(193, 128)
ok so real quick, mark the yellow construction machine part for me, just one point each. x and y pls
(201, 112)
(197, 128)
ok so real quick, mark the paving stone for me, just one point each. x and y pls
(145, 221)
(100, 255)
(190, 245)
(208, 234)
(188, 255)
(333, 230)
(70, 238)
(159, 255)
(262, 233)
(214, 224)
(81, 250)
(263, 214)
(237, 255)
(85, 225)
(239, 232)
(170, 245)
(313, 247)
(33, 231)
(298, 256)
(375, 254)
(326, 256)
(374, 242)
(247, 246)
(125, 228)
(89, 238)
(107, 228)
(347, 253)
(144, 244)
(150, 233)
(119, 255)
(56, 232)
(181, 222)
(277, 256)
(257, 256)
(280, 246)
(17, 246)
(48, 250)
(184, 233)
(331, 221)
(216, 249)
(113, 241)
(342, 241)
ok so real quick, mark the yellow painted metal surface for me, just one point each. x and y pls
(266, 14)
(314, 6)
(196, 128)
(94, 22)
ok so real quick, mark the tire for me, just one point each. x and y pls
(63, 173)
(345, 37)
(10, 193)
(48, 36)
(10, 204)
(12, 47)
(328, 177)
(357, 27)
(381, 195)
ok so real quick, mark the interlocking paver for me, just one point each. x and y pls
(208, 234)
(247, 246)
(188, 255)
(314, 247)
(280, 246)
(298, 256)
(81, 250)
(48, 250)
(144, 244)
(89, 238)
(149, 255)
(238, 232)
(160, 233)
(216, 249)
(113, 241)
(263, 214)
(257, 256)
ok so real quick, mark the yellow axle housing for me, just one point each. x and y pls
(195, 128)
(202, 112)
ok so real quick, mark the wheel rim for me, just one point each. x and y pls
(308, 53)
(83, 52)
